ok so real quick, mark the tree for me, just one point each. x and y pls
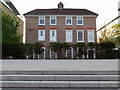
(110, 33)
(107, 49)
(117, 41)
(10, 37)
(9, 29)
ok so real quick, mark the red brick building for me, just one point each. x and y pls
(60, 25)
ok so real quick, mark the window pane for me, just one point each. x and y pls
(53, 20)
(68, 35)
(79, 20)
(41, 35)
(68, 20)
(80, 35)
(42, 21)
(53, 35)
(90, 35)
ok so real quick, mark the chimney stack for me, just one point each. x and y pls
(60, 5)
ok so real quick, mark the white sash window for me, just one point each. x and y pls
(52, 35)
(68, 35)
(80, 35)
(91, 36)
(41, 35)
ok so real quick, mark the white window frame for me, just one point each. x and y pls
(55, 20)
(44, 51)
(42, 37)
(92, 34)
(55, 36)
(51, 55)
(81, 19)
(71, 53)
(67, 19)
(82, 37)
(39, 20)
(67, 40)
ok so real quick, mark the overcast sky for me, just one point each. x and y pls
(107, 9)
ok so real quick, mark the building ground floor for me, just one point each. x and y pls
(70, 53)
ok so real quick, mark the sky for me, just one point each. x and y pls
(106, 9)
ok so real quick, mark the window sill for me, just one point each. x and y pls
(41, 40)
(79, 24)
(68, 24)
(80, 41)
(53, 24)
(41, 24)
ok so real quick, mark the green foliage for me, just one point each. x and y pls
(16, 50)
(110, 33)
(106, 50)
(91, 45)
(38, 48)
(107, 45)
(9, 29)
(117, 41)
(57, 46)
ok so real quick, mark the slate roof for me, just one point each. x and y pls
(60, 12)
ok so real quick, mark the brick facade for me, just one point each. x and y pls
(32, 27)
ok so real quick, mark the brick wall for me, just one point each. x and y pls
(61, 27)
(32, 28)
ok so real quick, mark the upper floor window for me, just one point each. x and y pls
(91, 36)
(68, 35)
(80, 36)
(41, 20)
(41, 35)
(52, 20)
(79, 20)
(68, 20)
(53, 35)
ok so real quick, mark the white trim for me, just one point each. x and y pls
(82, 20)
(66, 54)
(39, 20)
(71, 53)
(41, 36)
(62, 15)
(66, 20)
(44, 51)
(54, 52)
(71, 36)
(82, 37)
(93, 33)
(55, 20)
(55, 36)
(50, 53)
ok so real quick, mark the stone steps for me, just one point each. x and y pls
(60, 77)
(60, 84)
(58, 72)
